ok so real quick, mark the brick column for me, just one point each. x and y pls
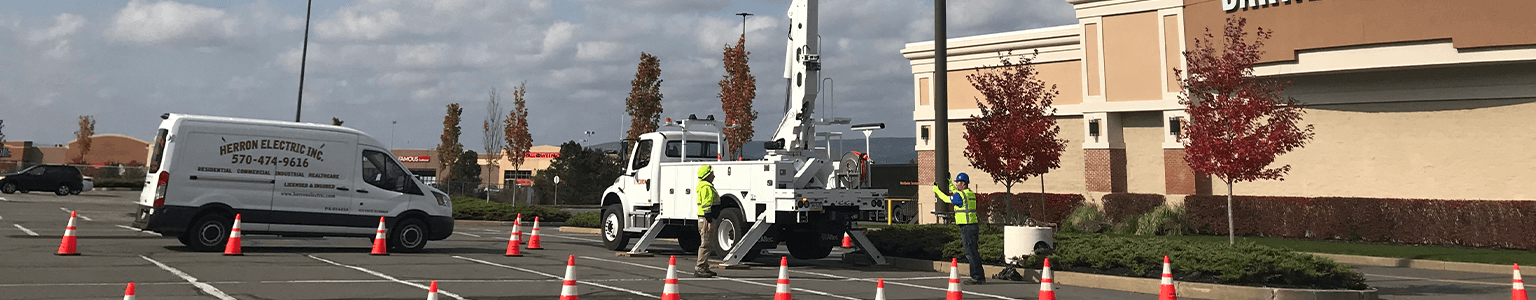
(925, 204)
(1104, 170)
(1179, 178)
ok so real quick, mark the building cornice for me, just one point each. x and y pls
(990, 43)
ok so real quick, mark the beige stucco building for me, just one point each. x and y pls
(1410, 99)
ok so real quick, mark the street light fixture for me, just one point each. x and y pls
(743, 23)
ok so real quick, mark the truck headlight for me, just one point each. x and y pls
(442, 199)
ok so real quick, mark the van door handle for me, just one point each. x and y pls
(342, 188)
(362, 191)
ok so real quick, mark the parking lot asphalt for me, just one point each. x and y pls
(470, 265)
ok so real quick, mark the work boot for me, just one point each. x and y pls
(969, 281)
(704, 274)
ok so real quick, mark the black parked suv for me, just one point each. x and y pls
(60, 179)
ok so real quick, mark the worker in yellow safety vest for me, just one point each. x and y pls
(964, 201)
(709, 217)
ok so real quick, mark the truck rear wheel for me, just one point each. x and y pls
(612, 224)
(732, 226)
(808, 246)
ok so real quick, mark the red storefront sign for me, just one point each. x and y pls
(412, 159)
(546, 155)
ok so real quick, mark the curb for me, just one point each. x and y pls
(1150, 285)
(1416, 263)
(583, 230)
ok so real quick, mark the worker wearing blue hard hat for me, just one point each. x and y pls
(964, 200)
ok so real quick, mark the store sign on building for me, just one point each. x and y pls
(1234, 5)
(414, 159)
(544, 155)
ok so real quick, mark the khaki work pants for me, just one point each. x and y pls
(706, 242)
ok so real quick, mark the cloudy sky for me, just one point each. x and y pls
(388, 67)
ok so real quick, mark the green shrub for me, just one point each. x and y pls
(1086, 218)
(589, 219)
(915, 241)
(1161, 221)
(470, 208)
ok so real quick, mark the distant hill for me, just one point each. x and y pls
(887, 150)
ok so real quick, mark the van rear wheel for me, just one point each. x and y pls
(410, 235)
(208, 233)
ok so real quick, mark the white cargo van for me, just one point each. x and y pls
(283, 178)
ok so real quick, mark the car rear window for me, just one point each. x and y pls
(158, 153)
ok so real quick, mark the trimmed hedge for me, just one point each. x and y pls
(589, 219)
(470, 208)
(1123, 208)
(1057, 206)
(1470, 223)
(1243, 264)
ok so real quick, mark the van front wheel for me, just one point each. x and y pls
(410, 235)
(208, 233)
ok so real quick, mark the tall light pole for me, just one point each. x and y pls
(743, 23)
(589, 136)
(302, 59)
(392, 135)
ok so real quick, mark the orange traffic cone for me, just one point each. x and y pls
(782, 293)
(568, 287)
(514, 245)
(533, 239)
(432, 291)
(954, 281)
(669, 289)
(1518, 291)
(378, 240)
(128, 294)
(1047, 285)
(880, 289)
(517, 226)
(1168, 292)
(847, 241)
(232, 246)
(67, 246)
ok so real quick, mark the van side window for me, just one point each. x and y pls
(642, 155)
(379, 171)
(38, 171)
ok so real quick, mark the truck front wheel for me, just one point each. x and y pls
(614, 237)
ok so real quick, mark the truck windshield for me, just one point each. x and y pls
(696, 149)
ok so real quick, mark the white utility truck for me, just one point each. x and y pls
(283, 178)
(797, 194)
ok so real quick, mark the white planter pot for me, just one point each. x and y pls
(1021, 241)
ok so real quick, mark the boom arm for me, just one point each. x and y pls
(802, 66)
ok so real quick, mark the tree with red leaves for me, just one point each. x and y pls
(515, 132)
(1015, 135)
(1238, 123)
(737, 90)
(644, 102)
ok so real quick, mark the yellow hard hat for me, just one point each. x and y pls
(705, 171)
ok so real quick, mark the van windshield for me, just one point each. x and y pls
(157, 154)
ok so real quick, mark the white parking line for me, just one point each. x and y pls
(209, 289)
(553, 276)
(898, 283)
(468, 234)
(139, 230)
(77, 214)
(386, 277)
(3, 199)
(727, 278)
(24, 229)
(566, 237)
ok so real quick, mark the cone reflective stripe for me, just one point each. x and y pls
(567, 288)
(517, 226)
(847, 241)
(432, 291)
(514, 245)
(782, 292)
(378, 240)
(533, 239)
(128, 294)
(232, 246)
(1047, 284)
(1517, 292)
(669, 289)
(880, 289)
(954, 281)
(67, 245)
(1167, 292)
